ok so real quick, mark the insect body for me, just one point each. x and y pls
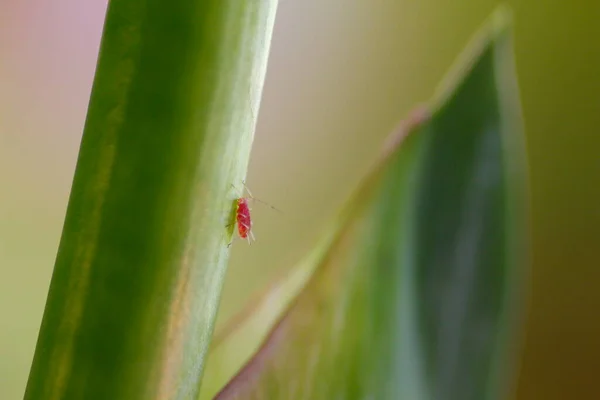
(243, 219)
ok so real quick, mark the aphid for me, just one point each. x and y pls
(242, 215)
(243, 219)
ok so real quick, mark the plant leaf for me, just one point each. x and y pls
(416, 292)
(138, 275)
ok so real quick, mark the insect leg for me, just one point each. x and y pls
(232, 240)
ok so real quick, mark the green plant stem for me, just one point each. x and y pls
(138, 275)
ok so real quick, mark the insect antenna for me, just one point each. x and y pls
(260, 201)
(266, 204)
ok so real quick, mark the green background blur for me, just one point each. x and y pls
(342, 73)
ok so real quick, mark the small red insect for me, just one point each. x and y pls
(243, 219)
(242, 215)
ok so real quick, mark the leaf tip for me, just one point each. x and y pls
(501, 19)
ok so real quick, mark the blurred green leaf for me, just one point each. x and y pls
(139, 270)
(415, 292)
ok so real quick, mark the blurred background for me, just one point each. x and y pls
(342, 74)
